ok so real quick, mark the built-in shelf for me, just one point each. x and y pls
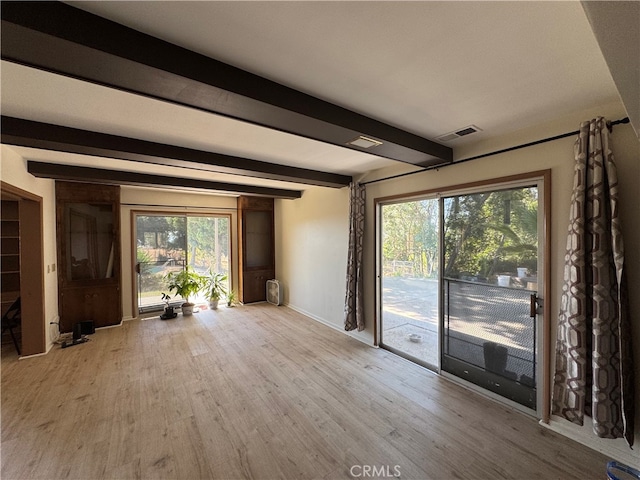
(257, 254)
(10, 228)
(10, 252)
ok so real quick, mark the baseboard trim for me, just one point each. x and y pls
(616, 449)
(357, 335)
(26, 357)
(111, 326)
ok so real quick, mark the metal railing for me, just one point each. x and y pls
(490, 327)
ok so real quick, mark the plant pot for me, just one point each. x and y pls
(495, 357)
(213, 304)
(187, 309)
(168, 313)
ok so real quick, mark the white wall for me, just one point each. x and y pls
(150, 200)
(312, 236)
(14, 172)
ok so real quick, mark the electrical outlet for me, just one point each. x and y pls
(53, 267)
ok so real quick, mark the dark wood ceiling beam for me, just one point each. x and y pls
(63, 39)
(118, 177)
(28, 133)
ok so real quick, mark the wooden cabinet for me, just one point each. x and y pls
(257, 253)
(88, 234)
(10, 253)
(100, 304)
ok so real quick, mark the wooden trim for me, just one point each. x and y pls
(134, 260)
(59, 38)
(18, 193)
(27, 133)
(118, 177)
(377, 274)
(32, 277)
(546, 320)
(32, 292)
(463, 186)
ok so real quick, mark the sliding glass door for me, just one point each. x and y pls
(166, 243)
(459, 281)
(490, 284)
(409, 281)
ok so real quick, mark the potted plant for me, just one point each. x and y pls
(168, 309)
(185, 283)
(215, 286)
(232, 298)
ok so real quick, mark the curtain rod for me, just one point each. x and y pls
(504, 150)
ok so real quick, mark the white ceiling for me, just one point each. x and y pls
(426, 67)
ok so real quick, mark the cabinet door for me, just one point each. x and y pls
(88, 234)
(101, 305)
(258, 238)
(255, 285)
(90, 241)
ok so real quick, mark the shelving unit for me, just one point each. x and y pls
(257, 255)
(9, 252)
(88, 238)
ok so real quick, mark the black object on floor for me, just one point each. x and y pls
(12, 319)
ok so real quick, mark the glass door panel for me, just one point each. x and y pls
(208, 247)
(161, 248)
(409, 280)
(490, 258)
(169, 243)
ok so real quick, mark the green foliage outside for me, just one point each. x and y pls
(490, 233)
(169, 243)
(411, 237)
(485, 234)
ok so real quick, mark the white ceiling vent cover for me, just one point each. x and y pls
(462, 132)
(364, 142)
(274, 292)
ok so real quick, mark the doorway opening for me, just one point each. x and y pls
(23, 266)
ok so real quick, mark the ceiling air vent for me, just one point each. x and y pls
(447, 137)
(364, 142)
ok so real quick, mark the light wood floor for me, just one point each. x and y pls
(259, 392)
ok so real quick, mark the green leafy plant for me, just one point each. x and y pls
(166, 298)
(185, 283)
(215, 286)
(168, 309)
(232, 298)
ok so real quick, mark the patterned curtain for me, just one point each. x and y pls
(594, 363)
(354, 304)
